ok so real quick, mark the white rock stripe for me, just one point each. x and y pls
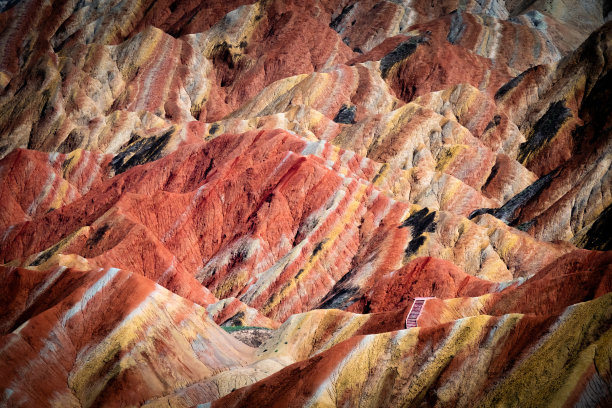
(7, 232)
(92, 176)
(89, 294)
(51, 342)
(43, 194)
(46, 188)
(151, 76)
(48, 282)
(185, 214)
(496, 40)
(269, 276)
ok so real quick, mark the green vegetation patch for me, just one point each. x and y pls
(231, 329)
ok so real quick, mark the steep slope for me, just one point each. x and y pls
(77, 348)
(505, 354)
(460, 364)
(567, 124)
(165, 208)
(399, 203)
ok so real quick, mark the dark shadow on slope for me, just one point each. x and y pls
(141, 151)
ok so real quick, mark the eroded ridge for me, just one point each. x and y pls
(318, 203)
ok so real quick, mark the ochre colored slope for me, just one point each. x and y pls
(446, 365)
(396, 203)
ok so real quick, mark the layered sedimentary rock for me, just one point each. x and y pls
(82, 349)
(444, 364)
(303, 171)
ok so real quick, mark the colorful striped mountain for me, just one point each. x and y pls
(314, 203)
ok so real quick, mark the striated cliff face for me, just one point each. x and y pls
(236, 203)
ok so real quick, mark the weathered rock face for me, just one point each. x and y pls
(301, 172)
(83, 337)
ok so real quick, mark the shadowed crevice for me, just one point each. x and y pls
(400, 53)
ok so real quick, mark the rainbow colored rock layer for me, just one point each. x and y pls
(174, 172)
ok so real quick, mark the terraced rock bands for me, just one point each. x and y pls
(318, 203)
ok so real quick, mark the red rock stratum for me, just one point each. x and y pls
(232, 204)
